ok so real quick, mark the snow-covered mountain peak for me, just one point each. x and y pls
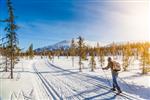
(67, 43)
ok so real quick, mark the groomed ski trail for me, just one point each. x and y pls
(62, 84)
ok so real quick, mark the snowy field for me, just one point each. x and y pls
(42, 79)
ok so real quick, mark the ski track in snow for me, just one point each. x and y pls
(62, 84)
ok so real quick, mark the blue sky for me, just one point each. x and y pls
(44, 22)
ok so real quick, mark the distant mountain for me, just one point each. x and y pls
(66, 44)
(63, 44)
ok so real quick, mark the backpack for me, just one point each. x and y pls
(116, 66)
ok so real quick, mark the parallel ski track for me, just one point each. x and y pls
(48, 87)
(96, 83)
(65, 88)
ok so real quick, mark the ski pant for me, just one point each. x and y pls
(115, 84)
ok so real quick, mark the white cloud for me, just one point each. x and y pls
(119, 21)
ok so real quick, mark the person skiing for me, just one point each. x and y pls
(114, 72)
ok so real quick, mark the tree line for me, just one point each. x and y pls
(129, 52)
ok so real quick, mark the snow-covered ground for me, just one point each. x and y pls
(131, 81)
(42, 79)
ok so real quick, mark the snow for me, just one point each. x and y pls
(42, 79)
(131, 81)
(20, 84)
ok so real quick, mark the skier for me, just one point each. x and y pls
(112, 65)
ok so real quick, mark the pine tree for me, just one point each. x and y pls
(49, 55)
(84, 52)
(72, 51)
(5, 54)
(11, 36)
(145, 58)
(30, 51)
(6, 63)
(97, 50)
(80, 48)
(101, 57)
(18, 51)
(113, 50)
(92, 62)
(126, 51)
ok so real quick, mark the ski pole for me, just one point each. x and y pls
(106, 76)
